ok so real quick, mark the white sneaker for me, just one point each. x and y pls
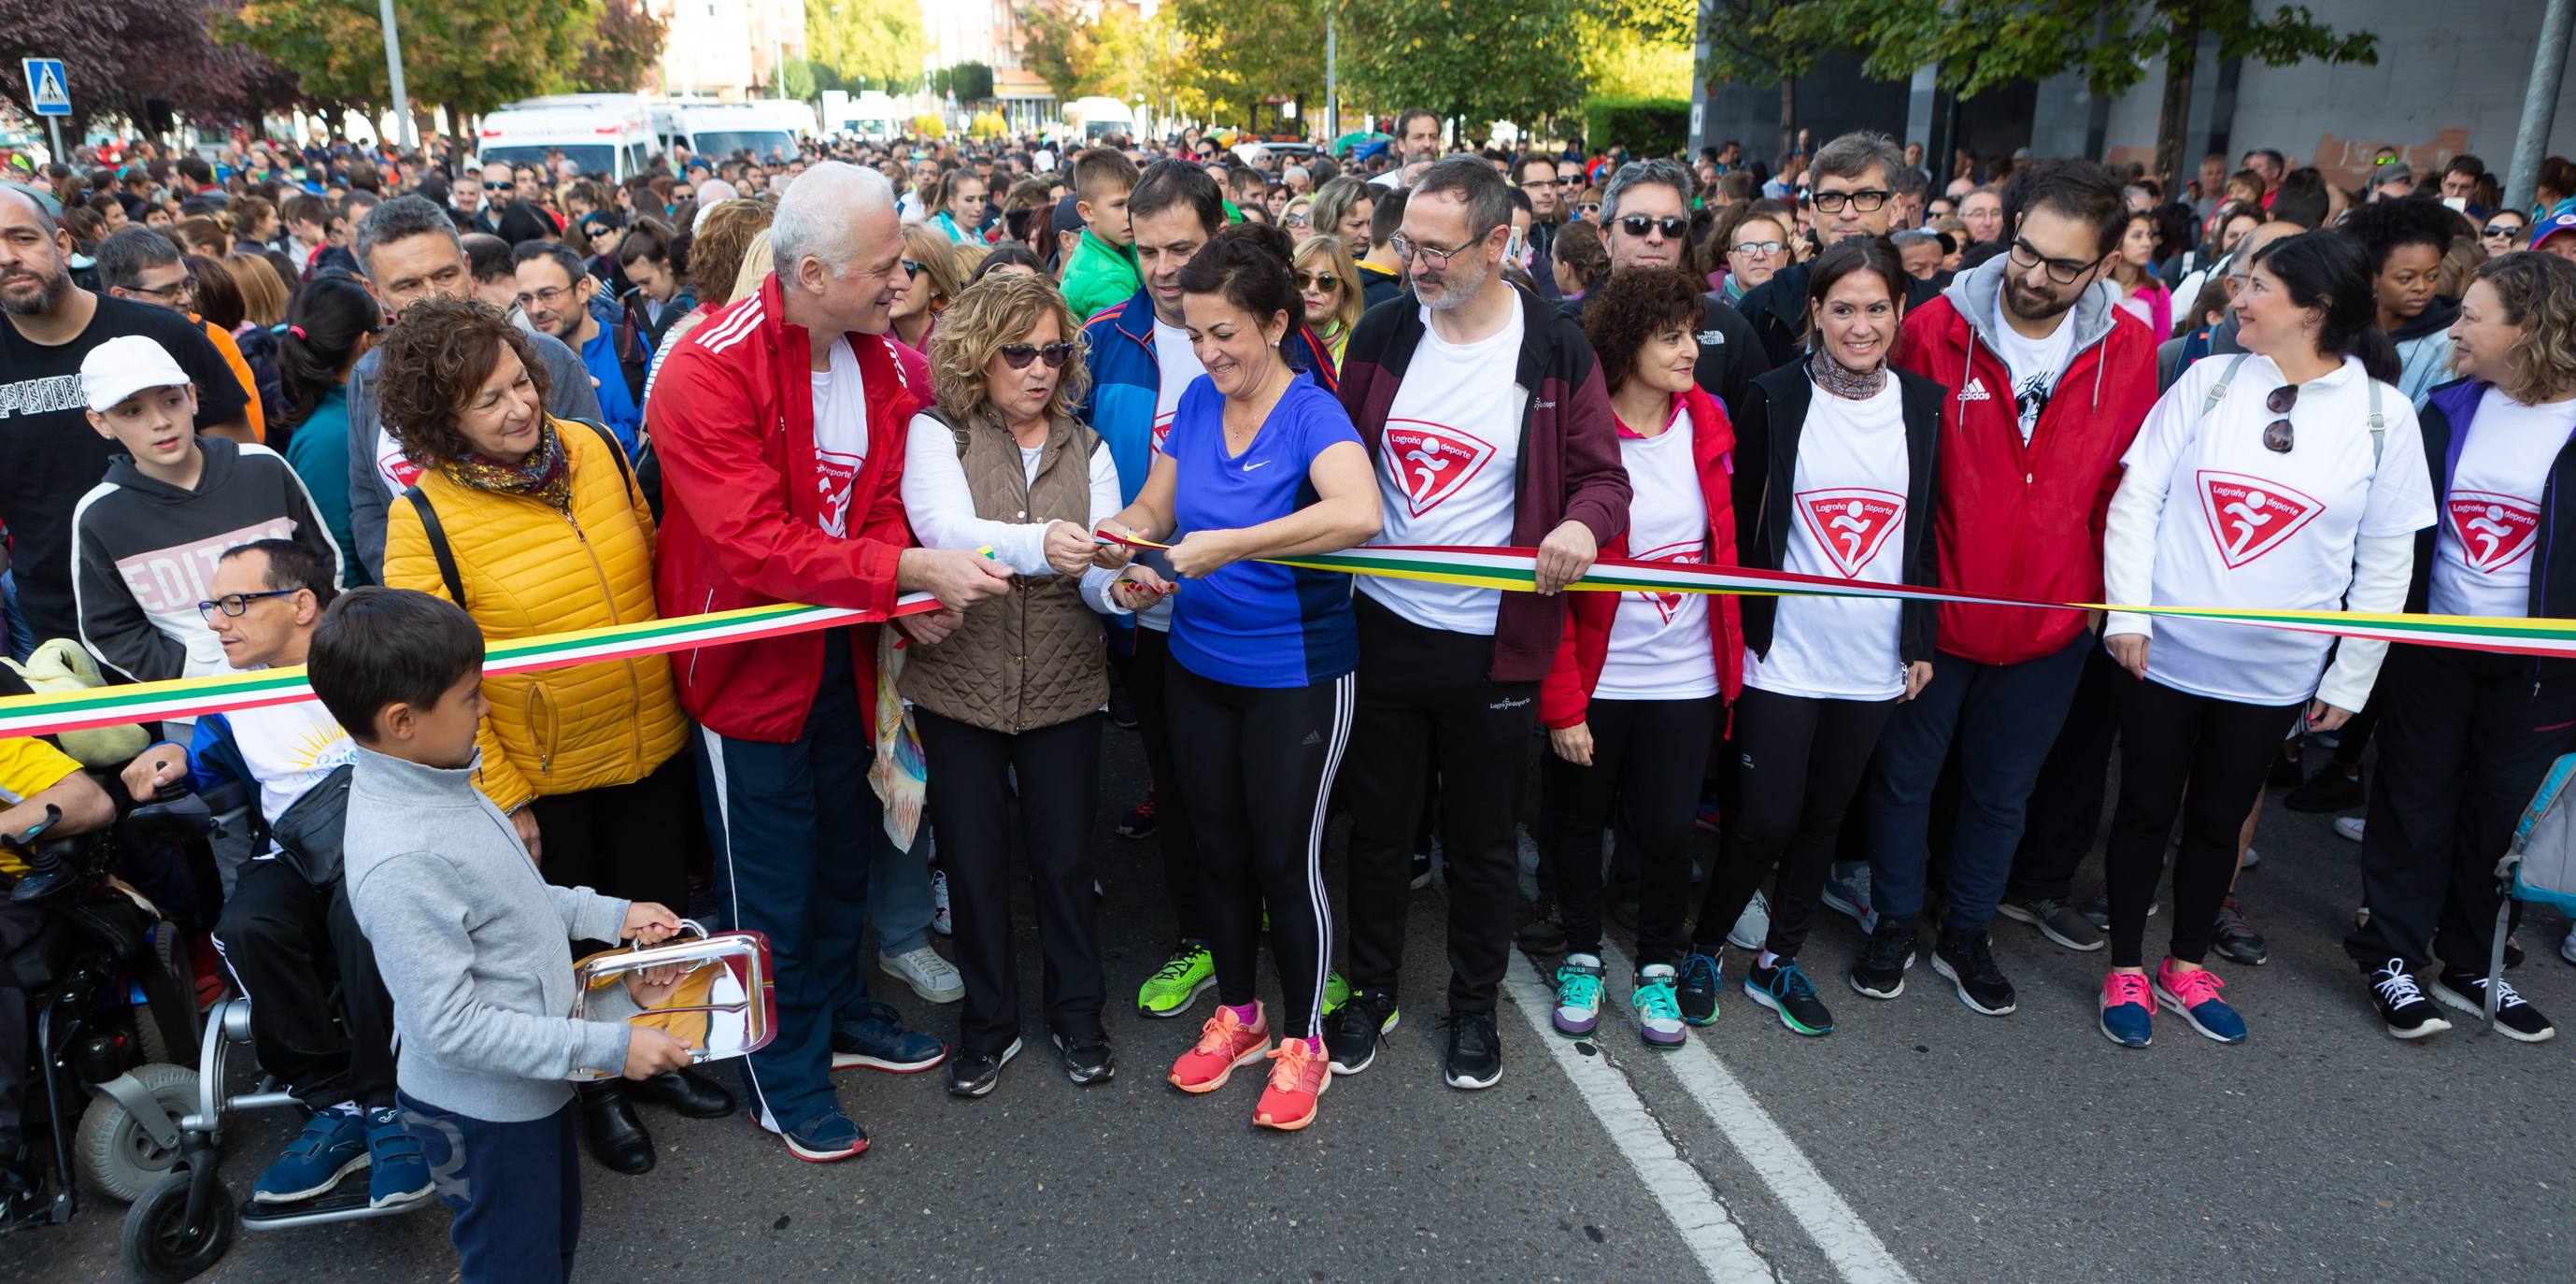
(1753, 926)
(2567, 948)
(940, 920)
(2348, 827)
(2253, 860)
(930, 976)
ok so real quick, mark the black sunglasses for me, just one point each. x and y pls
(1018, 355)
(2506, 230)
(1639, 225)
(2277, 435)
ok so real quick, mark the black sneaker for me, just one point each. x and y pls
(1352, 1031)
(1702, 976)
(1475, 1050)
(973, 1074)
(2403, 1009)
(1880, 973)
(2328, 790)
(1089, 1061)
(2096, 908)
(1138, 823)
(2515, 1019)
(1784, 988)
(1967, 961)
(2235, 938)
(2060, 922)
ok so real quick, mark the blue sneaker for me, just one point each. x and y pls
(1846, 891)
(2128, 1010)
(396, 1171)
(332, 1146)
(880, 1041)
(825, 1139)
(2195, 996)
(1701, 978)
(1784, 988)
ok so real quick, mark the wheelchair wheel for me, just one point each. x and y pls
(114, 1152)
(160, 1245)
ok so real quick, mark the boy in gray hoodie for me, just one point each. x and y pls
(470, 938)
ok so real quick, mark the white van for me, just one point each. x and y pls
(717, 131)
(1097, 118)
(608, 134)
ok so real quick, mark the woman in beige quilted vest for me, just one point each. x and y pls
(1013, 694)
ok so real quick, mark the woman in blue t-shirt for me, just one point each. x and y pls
(1259, 463)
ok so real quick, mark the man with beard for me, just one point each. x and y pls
(49, 454)
(2048, 380)
(556, 291)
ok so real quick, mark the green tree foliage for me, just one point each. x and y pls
(471, 55)
(971, 81)
(1474, 61)
(1113, 55)
(1228, 57)
(1748, 43)
(625, 41)
(869, 44)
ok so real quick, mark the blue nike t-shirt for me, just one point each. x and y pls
(1252, 624)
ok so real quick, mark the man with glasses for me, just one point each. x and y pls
(1854, 195)
(1487, 425)
(2047, 381)
(2460, 177)
(143, 265)
(1645, 222)
(555, 291)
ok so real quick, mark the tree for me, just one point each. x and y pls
(120, 56)
(1746, 45)
(1984, 43)
(870, 44)
(1110, 55)
(1228, 57)
(472, 55)
(625, 41)
(1473, 61)
(972, 81)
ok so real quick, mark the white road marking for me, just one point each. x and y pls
(1846, 1241)
(1711, 1234)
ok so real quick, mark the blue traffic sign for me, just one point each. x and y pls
(49, 88)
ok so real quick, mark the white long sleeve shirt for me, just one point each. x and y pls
(941, 509)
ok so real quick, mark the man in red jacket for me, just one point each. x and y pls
(2048, 379)
(780, 426)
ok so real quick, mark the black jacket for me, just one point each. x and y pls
(1730, 353)
(1766, 471)
(1778, 309)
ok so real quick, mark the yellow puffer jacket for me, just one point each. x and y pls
(529, 570)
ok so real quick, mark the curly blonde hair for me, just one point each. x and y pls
(992, 313)
(2539, 294)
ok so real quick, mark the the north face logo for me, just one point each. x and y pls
(1685, 552)
(2493, 530)
(1431, 461)
(1851, 522)
(1975, 391)
(2249, 516)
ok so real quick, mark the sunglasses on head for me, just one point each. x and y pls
(1018, 355)
(1639, 225)
(2277, 435)
(1320, 282)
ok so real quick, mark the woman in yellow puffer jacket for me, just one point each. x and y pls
(546, 531)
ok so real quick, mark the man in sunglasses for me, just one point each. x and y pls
(2047, 381)
(1854, 195)
(1645, 222)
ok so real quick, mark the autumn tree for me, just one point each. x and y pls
(470, 55)
(625, 41)
(119, 56)
(868, 44)
(1111, 55)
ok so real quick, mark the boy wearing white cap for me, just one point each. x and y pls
(146, 539)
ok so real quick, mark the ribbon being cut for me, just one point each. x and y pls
(1509, 569)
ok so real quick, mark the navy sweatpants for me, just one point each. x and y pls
(515, 1190)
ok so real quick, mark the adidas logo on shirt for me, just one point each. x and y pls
(1975, 391)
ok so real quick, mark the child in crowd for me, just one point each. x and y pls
(1102, 271)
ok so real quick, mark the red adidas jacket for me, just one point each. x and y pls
(2015, 520)
(1565, 696)
(732, 422)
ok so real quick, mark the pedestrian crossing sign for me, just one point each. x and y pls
(48, 88)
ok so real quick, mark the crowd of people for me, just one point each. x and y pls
(370, 411)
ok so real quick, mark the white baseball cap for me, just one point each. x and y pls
(124, 366)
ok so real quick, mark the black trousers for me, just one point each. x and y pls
(1143, 675)
(1647, 760)
(287, 943)
(2065, 811)
(2202, 758)
(18, 925)
(1799, 762)
(1258, 764)
(1424, 691)
(629, 841)
(969, 801)
(2465, 738)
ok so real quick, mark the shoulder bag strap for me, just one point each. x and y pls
(437, 533)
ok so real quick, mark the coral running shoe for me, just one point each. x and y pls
(2128, 1010)
(1299, 1073)
(2194, 994)
(1224, 1043)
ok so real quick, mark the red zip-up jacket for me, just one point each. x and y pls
(732, 421)
(2015, 520)
(1565, 697)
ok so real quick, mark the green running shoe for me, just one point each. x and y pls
(1172, 988)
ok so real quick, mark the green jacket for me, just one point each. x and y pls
(1100, 276)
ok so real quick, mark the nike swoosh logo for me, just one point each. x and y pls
(1263, 464)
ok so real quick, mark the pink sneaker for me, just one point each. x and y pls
(2194, 994)
(1224, 1043)
(2128, 1012)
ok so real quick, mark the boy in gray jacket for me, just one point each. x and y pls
(471, 940)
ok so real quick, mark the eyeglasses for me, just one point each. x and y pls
(547, 297)
(1319, 282)
(233, 604)
(2062, 271)
(1639, 225)
(1018, 355)
(1760, 249)
(911, 267)
(1865, 202)
(1296, 220)
(1406, 248)
(2278, 436)
(2500, 231)
(179, 289)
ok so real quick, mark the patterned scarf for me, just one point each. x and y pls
(546, 473)
(1843, 381)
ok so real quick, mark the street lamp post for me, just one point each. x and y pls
(394, 76)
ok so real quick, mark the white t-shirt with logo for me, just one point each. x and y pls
(2035, 365)
(1846, 521)
(2490, 522)
(840, 435)
(1177, 367)
(288, 748)
(1659, 644)
(1448, 468)
(2246, 526)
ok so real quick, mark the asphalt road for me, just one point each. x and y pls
(1919, 1142)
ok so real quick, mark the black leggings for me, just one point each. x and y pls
(1800, 762)
(1647, 759)
(2205, 759)
(628, 841)
(1143, 674)
(1256, 765)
